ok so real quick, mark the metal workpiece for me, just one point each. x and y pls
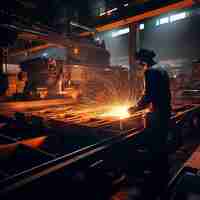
(65, 145)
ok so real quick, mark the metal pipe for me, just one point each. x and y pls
(13, 27)
(82, 27)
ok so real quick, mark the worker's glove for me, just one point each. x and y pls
(132, 110)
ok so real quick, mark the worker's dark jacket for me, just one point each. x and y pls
(157, 94)
(157, 90)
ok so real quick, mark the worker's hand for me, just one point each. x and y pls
(132, 110)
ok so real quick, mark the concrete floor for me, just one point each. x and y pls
(130, 191)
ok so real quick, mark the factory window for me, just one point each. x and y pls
(120, 32)
(161, 21)
(164, 20)
(157, 22)
(177, 17)
(141, 27)
(171, 19)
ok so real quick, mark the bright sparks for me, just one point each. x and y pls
(120, 112)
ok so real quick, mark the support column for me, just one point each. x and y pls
(5, 60)
(132, 50)
(1, 60)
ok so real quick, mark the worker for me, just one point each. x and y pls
(157, 95)
(157, 98)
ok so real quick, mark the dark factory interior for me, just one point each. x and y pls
(100, 99)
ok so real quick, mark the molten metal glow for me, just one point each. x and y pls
(120, 112)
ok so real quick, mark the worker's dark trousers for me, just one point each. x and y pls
(158, 179)
(156, 182)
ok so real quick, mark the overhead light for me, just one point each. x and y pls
(102, 14)
(164, 20)
(112, 10)
(97, 39)
(120, 32)
(76, 51)
(45, 54)
(108, 12)
(126, 4)
(141, 27)
(176, 17)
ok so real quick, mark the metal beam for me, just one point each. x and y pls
(76, 24)
(34, 49)
(53, 38)
(140, 17)
(132, 50)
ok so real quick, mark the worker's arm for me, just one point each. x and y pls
(148, 92)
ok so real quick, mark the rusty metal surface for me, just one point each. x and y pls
(81, 131)
(67, 112)
(9, 108)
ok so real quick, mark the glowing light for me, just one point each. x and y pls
(171, 19)
(141, 27)
(179, 16)
(164, 20)
(76, 51)
(97, 39)
(120, 32)
(34, 143)
(112, 10)
(102, 14)
(157, 22)
(107, 69)
(126, 4)
(120, 112)
(109, 12)
(45, 54)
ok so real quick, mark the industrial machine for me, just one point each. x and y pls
(45, 78)
(84, 73)
(78, 81)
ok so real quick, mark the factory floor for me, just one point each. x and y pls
(130, 189)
